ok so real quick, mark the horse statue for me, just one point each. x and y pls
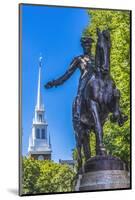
(101, 96)
(97, 97)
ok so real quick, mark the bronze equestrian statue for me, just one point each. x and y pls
(97, 95)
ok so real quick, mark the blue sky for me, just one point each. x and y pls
(55, 32)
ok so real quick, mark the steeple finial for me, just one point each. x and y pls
(40, 60)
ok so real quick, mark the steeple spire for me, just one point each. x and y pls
(39, 103)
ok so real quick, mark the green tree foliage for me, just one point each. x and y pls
(116, 139)
(30, 174)
(46, 177)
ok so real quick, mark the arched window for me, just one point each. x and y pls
(40, 118)
(43, 134)
(37, 133)
(40, 157)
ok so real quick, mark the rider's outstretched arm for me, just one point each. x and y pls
(66, 75)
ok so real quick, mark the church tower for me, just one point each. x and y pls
(39, 141)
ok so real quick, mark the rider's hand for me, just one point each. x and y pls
(50, 84)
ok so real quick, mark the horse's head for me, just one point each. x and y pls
(103, 51)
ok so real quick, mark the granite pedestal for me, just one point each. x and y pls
(103, 172)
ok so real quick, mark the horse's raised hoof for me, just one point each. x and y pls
(113, 118)
(122, 120)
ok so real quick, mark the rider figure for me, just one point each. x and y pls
(85, 63)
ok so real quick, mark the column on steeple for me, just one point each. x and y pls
(49, 140)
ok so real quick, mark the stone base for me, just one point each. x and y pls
(103, 172)
(105, 179)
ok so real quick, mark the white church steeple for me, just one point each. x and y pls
(39, 146)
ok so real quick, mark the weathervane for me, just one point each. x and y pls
(40, 60)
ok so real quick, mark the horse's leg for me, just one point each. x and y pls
(93, 108)
(116, 108)
(117, 115)
(79, 155)
(86, 146)
(77, 128)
